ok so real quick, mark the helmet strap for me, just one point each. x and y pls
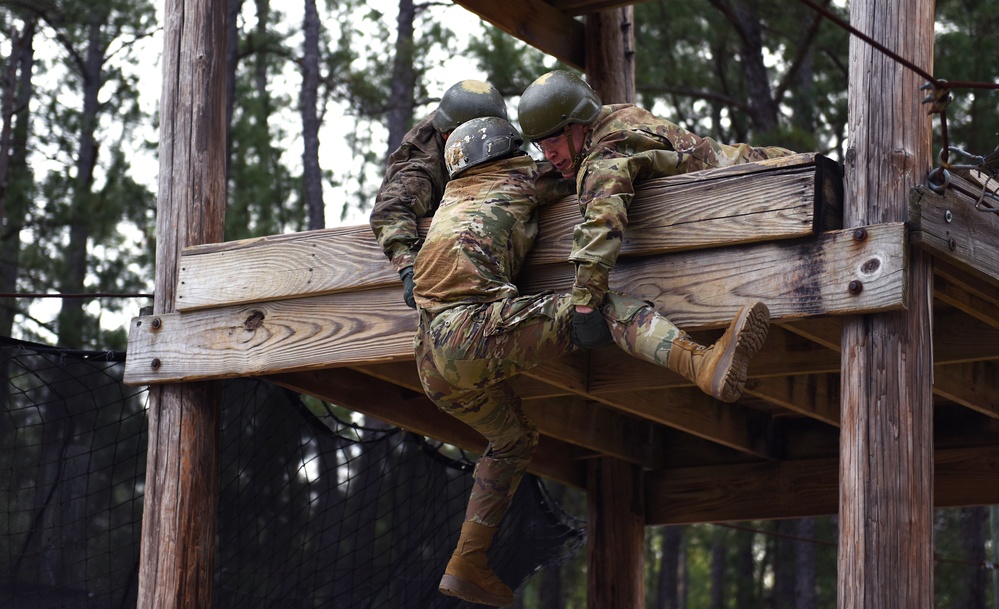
(577, 156)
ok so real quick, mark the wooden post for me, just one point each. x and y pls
(615, 490)
(610, 54)
(615, 507)
(886, 439)
(177, 559)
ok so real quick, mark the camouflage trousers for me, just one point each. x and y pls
(466, 355)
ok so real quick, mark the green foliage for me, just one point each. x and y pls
(967, 49)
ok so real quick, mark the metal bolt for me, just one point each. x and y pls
(860, 234)
(155, 364)
(948, 216)
(952, 243)
(156, 323)
(856, 287)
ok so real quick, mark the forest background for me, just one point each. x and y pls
(320, 92)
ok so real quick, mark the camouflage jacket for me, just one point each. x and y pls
(483, 230)
(626, 144)
(414, 182)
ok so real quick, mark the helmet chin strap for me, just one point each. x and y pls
(577, 156)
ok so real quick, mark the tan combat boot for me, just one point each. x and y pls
(720, 370)
(468, 575)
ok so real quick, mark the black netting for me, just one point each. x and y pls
(315, 510)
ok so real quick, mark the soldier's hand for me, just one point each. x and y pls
(589, 330)
(406, 275)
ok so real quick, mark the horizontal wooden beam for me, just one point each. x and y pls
(582, 7)
(797, 278)
(948, 226)
(539, 24)
(769, 200)
(795, 489)
(415, 412)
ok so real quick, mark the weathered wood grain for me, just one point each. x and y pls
(415, 412)
(950, 228)
(538, 24)
(795, 489)
(764, 201)
(797, 278)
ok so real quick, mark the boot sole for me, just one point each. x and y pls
(750, 329)
(467, 591)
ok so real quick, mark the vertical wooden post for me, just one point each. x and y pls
(615, 490)
(610, 54)
(886, 441)
(177, 560)
(615, 535)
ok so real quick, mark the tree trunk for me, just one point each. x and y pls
(718, 551)
(71, 316)
(805, 593)
(973, 544)
(762, 107)
(745, 581)
(16, 180)
(231, 64)
(400, 113)
(312, 174)
(610, 54)
(784, 564)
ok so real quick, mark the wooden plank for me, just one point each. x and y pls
(967, 292)
(972, 385)
(583, 7)
(776, 199)
(599, 429)
(699, 290)
(351, 389)
(615, 526)
(796, 489)
(796, 278)
(272, 337)
(814, 395)
(950, 228)
(694, 412)
(721, 207)
(538, 24)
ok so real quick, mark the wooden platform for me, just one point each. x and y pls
(321, 312)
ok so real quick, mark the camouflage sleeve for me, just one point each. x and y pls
(606, 185)
(550, 186)
(412, 188)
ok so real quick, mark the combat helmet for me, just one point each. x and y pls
(553, 101)
(478, 141)
(465, 100)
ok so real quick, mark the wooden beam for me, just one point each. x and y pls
(797, 278)
(795, 489)
(584, 7)
(814, 395)
(351, 389)
(967, 292)
(777, 199)
(615, 525)
(180, 507)
(950, 228)
(886, 481)
(539, 24)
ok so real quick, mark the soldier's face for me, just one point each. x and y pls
(561, 154)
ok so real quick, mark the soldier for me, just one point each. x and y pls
(608, 149)
(415, 175)
(476, 330)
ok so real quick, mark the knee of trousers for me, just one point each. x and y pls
(622, 308)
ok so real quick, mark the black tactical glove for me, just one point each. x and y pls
(407, 283)
(589, 330)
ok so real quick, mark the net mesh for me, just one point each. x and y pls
(316, 509)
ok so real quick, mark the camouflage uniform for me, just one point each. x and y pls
(476, 330)
(626, 144)
(414, 182)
